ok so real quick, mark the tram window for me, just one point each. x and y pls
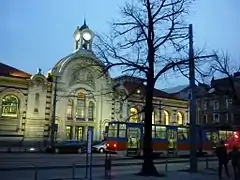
(229, 134)
(153, 131)
(222, 135)
(160, 132)
(112, 131)
(183, 134)
(122, 130)
(208, 136)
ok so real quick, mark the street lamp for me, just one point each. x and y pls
(54, 79)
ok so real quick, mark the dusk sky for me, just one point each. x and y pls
(38, 33)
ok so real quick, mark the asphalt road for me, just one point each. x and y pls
(97, 172)
(30, 161)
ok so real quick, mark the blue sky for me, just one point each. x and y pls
(37, 33)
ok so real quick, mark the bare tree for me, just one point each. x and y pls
(146, 42)
(224, 66)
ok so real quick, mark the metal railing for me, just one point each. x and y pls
(107, 167)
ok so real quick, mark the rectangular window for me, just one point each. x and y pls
(205, 105)
(112, 130)
(68, 132)
(153, 131)
(161, 132)
(228, 103)
(122, 130)
(215, 105)
(216, 117)
(183, 133)
(80, 109)
(205, 118)
(79, 133)
(226, 117)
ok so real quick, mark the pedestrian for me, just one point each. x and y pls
(234, 156)
(221, 152)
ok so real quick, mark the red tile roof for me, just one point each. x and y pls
(9, 71)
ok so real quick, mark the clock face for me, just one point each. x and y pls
(87, 36)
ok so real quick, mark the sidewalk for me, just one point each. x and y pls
(201, 175)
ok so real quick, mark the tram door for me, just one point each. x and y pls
(134, 137)
(172, 139)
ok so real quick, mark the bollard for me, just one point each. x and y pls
(166, 165)
(73, 171)
(207, 165)
(36, 173)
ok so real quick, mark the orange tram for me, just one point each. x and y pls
(127, 138)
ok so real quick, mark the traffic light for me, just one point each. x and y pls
(50, 77)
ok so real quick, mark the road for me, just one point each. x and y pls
(9, 160)
(97, 172)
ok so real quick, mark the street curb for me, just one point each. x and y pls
(34, 167)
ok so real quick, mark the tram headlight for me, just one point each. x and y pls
(114, 145)
(107, 145)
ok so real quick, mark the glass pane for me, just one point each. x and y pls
(161, 132)
(183, 133)
(153, 131)
(112, 131)
(79, 133)
(68, 132)
(10, 105)
(122, 130)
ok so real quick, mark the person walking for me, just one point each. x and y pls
(222, 155)
(234, 156)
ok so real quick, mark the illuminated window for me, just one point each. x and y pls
(134, 115)
(69, 108)
(183, 133)
(166, 117)
(79, 133)
(68, 132)
(179, 118)
(90, 111)
(154, 117)
(10, 106)
(80, 106)
(160, 132)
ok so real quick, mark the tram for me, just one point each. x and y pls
(127, 138)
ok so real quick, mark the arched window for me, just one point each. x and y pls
(69, 108)
(10, 106)
(179, 118)
(80, 106)
(134, 116)
(90, 111)
(154, 117)
(166, 117)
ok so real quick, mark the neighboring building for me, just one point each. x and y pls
(214, 102)
(85, 98)
(215, 106)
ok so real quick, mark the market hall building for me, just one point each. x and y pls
(85, 98)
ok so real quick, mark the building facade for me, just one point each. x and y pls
(216, 104)
(84, 98)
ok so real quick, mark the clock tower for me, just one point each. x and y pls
(83, 37)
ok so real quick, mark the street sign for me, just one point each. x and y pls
(89, 152)
(90, 139)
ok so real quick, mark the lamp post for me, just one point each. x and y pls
(193, 124)
(53, 123)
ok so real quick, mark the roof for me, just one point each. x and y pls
(175, 89)
(132, 86)
(9, 71)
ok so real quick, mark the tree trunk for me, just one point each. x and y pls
(148, 168)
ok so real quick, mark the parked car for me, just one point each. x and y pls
(100, 147)
(70, 146)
